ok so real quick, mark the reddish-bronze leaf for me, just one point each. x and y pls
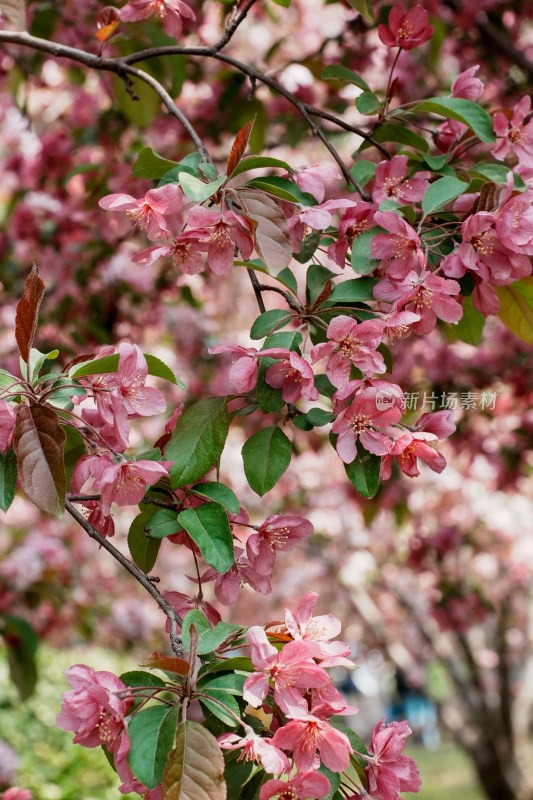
(239, 146)
(271, 231)
(39, 443)
(28, 311)
(15, 13)
(195, 768)
(168, 663)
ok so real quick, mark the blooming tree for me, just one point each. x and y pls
(431, 232)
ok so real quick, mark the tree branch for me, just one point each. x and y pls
(137, 573)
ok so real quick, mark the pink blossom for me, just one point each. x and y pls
(400, 250)
(185, 252)
(327, 700)
(292, 670)
(321, 629)
(354, 221)
(361, 419)
(182, 603)
(243, 373)
(93, 710)
(388, 772)
(514, 223)
(149, 211)
(389, 393)
(439, 423)
(105, 525)
(125, 484)
(406, 30)
(319, 217)
(391, 183)
(307, 734)
(228, 585)
(220, 234)
(7, 425)
(254, 748)
(302, 786)
(14, 793)
(429, 298)
(467, 86)
(311, 179)
(89, 467)
(350, 342)
(517, 134)
(276, 533)
(170, 12)
(293, 375)
(407, 448)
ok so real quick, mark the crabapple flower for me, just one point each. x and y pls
(354, 221)
(350, 342)
(139, 400)
(311, 179)
(307, 734)
(388, 772)
(291, 669)
(7, 425)
(400, 249)
(360, 420)
(293, 375)
(302, 786)
(516, 134)
(321, 629)
(149, 211)
(182, 603)
(169, 11)
(514, 224)
(389, 393)
(406, 30)
(276, 533)
(254, 748)
(125, 484)
(220, 234)
(243, 373)
(429, 297)
(185, 253)
(407, 448)
(228, 585)
(439, 423)
(391, 183)
(93, 709)
(89, 467)
(467, 86)
(14, 793)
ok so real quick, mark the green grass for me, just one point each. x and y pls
(446, 772)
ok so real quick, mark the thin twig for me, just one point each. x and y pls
(138, 574)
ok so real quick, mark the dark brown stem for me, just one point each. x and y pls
(257, 290)
(138, 574)
(263, 287)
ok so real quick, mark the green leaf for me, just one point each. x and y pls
(198, 440)
(364, 7)
(195, 768)
(236, 664)
(283, 188)
(208, 638)
(395, 132)
(109, 364)
(363, 472)
(21, 646)
(74, 450)
(258, 162)
(469, 329)
(137, 677)
(8, 478)
(360, 258)
(338, 73)
(308, 248)
(163, 523)
(516, 308)
(334, 779)
(324, 386)
(230, 683)
(441, 192)
(497, 173)
(196, 189)
(266, 456)
(367, 103)
(363, 171)
(465, 111)
(319, 417)
(268, 321)
(62, 392)
(237, 773)
(286, 277)
(290, 340)
(142, 548)
(284, 3)
(353, 291)
(269, 398)
(209, 527)
(219, 493)
(316, 279)
(151, 165)
(159, 369)
(37, 360)
(142, 110)
(151, 732)
(219, 710)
